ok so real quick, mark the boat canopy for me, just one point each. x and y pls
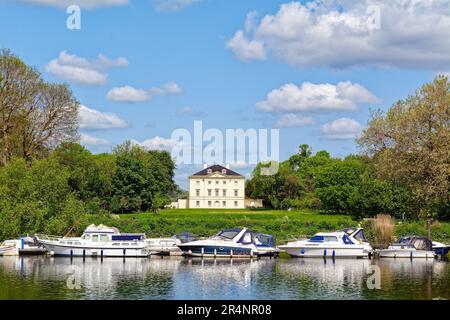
(418, 242)
(265, 240)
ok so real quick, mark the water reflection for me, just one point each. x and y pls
(180, 278)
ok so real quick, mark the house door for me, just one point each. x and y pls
(217, 205)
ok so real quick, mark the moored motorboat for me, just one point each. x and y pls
(169, 246)
(409, 247)
(440, 249)
(98, 241)
(9, 249)
(327, 244)
(26, 246)
(228, 243)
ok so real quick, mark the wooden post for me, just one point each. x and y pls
(429, 228)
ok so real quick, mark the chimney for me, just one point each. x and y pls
(205, 166)
(228, 166)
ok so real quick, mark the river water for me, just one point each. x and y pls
(182, 278)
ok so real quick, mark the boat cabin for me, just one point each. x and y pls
(107, 234)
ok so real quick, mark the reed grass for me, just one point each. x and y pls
(383, 229)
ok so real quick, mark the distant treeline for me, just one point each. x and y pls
(403, 171)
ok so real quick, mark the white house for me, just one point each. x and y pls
(217, 187)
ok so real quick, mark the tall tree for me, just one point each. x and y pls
(35, 116)
(19, 85)
(410, 144)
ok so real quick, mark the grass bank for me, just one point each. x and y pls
(284, 225)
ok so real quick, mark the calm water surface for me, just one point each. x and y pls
(181, 278)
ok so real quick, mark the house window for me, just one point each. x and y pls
(197, 192)
(224, 204)
(209, 192)
(224, 182)
(236, 193)
(235, 204)
(217, 192)
(224, 191)
(224, 171)
(217, 182)
(209, 182)
(209, 204)
(197, 182)
(198, 204)
(235, 182)
(209, 171)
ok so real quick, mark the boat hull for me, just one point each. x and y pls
(405, 253)
(9, 251)
(329, 252)
(73, 251)
(218, 251)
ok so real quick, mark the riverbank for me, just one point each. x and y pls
(284, 225)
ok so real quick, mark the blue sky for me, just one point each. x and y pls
(216, 61)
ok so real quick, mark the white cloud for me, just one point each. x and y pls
(293, 121)
(342, 129)
(81, 70)
(132, 95)
(246, 49)
(89, 4)
(91, 119)
(88, 140)
(157, 143)
(172, 5)
(411, 34)
(344, 96)
(128, 94)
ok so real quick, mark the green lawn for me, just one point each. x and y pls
(283, 225)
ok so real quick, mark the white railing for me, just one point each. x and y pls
(46, 237)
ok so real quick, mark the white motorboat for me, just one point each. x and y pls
(24, 246)
(8, 248)
(164, 246)
(328, 244)
(440, 249)
(169, 246)
(409, 247)
(98, 241)
(228, 243)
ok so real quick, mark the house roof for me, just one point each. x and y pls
(216, 168)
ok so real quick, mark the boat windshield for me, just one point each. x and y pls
(361, 236)
(228, 234)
